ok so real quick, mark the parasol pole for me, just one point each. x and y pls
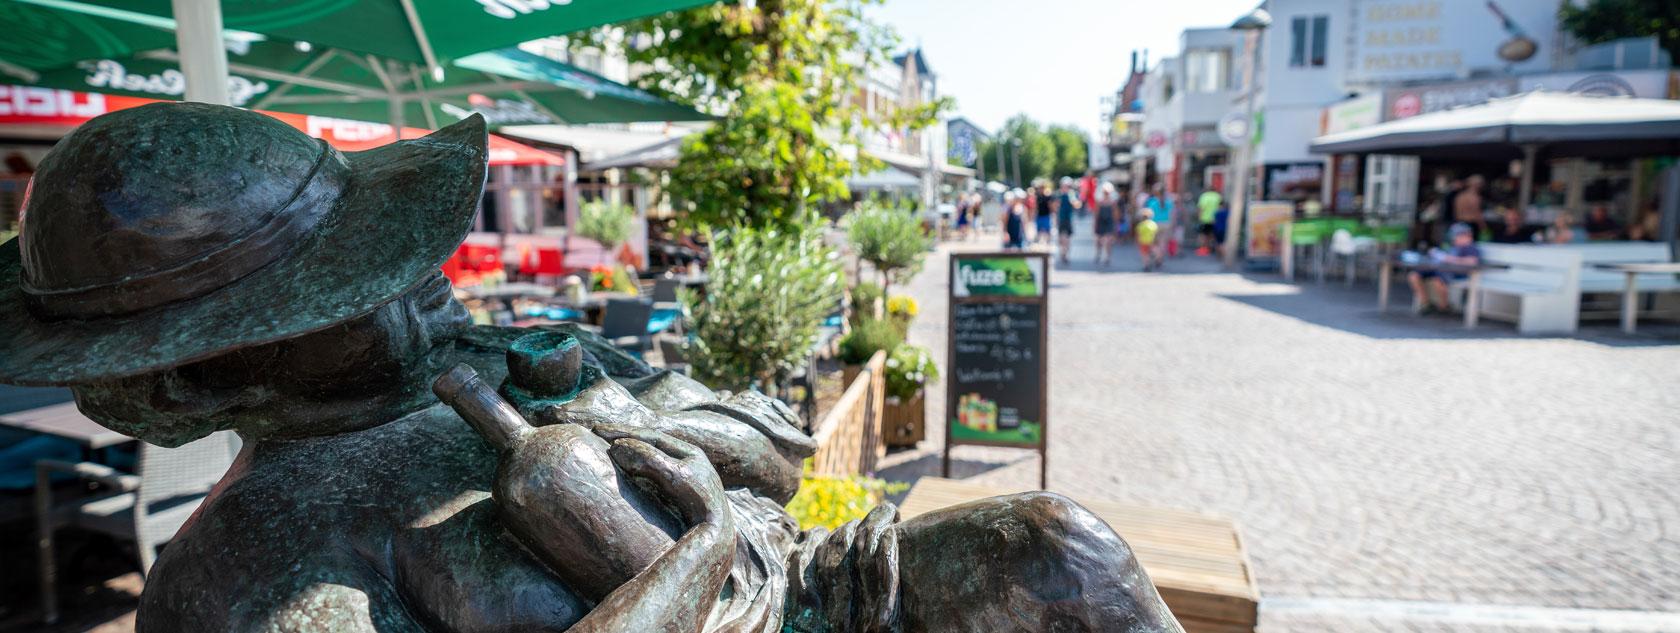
(198, 37)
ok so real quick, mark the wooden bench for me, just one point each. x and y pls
(1196, 561)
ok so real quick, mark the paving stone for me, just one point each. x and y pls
(1364, 455)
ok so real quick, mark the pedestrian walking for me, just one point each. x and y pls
(1066, 203)
(1107, 205)
(1014, 220)
(1045, 205)
(1088, 192)
(1208, 204)
(1161, 212)
(964, 203)
(1147, 232)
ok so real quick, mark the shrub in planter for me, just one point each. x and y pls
(767, 292)
(868, 337)
(609, 224)
(889, 239)
(910, 369)
(864, 297)
(901, 311)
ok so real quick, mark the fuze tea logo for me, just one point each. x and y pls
(999, 276)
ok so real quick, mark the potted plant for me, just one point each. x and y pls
(767, 293)
(901, 311)
(910, 368)
(891, 240)
(868, 337)
(606, 223)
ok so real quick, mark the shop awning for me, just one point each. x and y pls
(661, 155)
(1561, 124)
(888, 177)
(918, 164)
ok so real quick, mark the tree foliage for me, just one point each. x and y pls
(607, 223)
(1605, 20)
(889, 239)
(1071, 147)
(767, 291)
(780, 74)
(1043, 153)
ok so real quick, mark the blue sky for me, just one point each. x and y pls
(1053, 59)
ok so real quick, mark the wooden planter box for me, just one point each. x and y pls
(904, 421)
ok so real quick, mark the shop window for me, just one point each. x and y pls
(1309, 38)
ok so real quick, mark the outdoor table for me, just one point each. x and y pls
(1472, 296)
(63, 420)
(1630, 291)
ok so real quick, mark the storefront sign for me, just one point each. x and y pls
(1402, 103)
(1352, 114)
(1264, 220)
(997, 383)
(1645, 84)
(1294, 181)
(1395, 40)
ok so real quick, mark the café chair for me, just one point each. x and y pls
(147, 507)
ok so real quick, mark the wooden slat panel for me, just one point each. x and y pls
(1196, 561)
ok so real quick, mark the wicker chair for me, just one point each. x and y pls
(147, 507)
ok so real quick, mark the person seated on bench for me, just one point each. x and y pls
(1600, 226)
(1563, 230)
(1462, 253)
(1512, 229)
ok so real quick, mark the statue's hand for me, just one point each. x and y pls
(678, 591)
(677, 471)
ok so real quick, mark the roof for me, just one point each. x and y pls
(1565, 124)
(916, 55)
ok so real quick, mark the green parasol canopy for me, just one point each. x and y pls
(509, 87)
(38, 37)
(428, 32)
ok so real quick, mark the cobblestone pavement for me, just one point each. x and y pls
(1389, 473)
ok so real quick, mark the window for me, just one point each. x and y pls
(1207, 70)
(1309, 38)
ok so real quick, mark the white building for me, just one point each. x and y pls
(1184, 98)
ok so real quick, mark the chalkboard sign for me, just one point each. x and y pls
(996, 386)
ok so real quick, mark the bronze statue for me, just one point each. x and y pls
(190, 268)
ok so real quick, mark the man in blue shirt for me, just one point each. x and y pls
(1432, 284)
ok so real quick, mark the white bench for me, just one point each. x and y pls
(1536, 287)
(1539, 287)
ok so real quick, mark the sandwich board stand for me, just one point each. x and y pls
(997, 383)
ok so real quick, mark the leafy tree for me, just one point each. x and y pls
(1044, 153)
(609, 224)
(766, 292)
(1605, 20)
(781, 75)
(889, 239)
(1070, 150)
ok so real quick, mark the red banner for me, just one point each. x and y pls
(46, 107)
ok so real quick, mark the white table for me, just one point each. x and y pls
(1630, 289)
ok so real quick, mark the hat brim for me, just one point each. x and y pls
(406, 208)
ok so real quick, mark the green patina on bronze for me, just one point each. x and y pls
(361, 502)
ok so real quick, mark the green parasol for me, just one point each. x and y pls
(509, 87)
(40, 37)
(429, 32)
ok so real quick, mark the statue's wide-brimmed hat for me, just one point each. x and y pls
(166, 234)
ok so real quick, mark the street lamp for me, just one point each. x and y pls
(1252, 26)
